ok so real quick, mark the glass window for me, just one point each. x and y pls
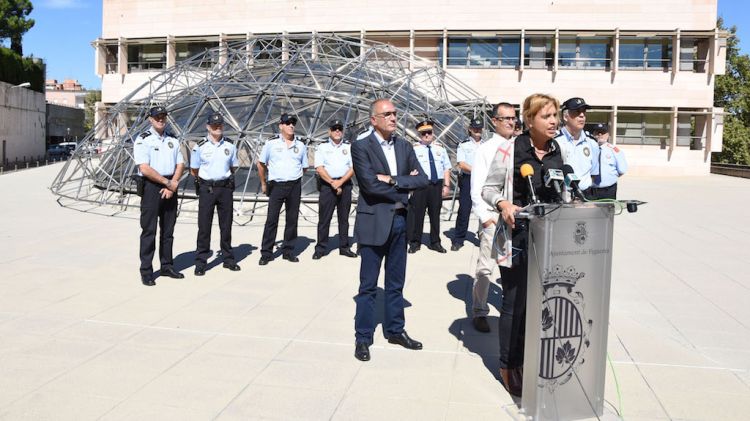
(538, 53)
(111, 57)
(146, 57)
(457, 51)
(567, 55)
(659, 53)
(483, 52)
(643, 128)
(631, 53)
(186, 50)
(646, 53)
(510, 52)
(594, 52)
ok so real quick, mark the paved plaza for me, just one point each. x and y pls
(81, 338)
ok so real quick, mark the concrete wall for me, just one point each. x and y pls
(65, 122)
(22, 123)
(133, 18)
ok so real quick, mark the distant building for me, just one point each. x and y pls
(648, 68)
(69, 93)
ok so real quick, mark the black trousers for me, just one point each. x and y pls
(328, 200)
(604, 192)
(210, 198)
(430, 198)
(464, 208)
(513, 310)
(287, 193)
(156, 211)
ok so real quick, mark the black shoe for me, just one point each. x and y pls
(290, 258)
(480, 324)
(362, 351)
(200, 271)
(234, 267)
(147, 280)
(172, 273)
(404, 340)
(438, 248)
(456, 246)
(414, 248)
(264, 260)
(317, 255)
(347, 252)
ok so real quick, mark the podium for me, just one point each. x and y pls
(567, 311)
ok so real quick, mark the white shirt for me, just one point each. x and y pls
(482, 160)
(389, 151)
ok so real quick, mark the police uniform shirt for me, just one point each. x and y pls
(439, 155)
(337, 159)
(214, 160)
(582, 154)
(613, 165)
(285, 163)
(467, 150)
(162, 153)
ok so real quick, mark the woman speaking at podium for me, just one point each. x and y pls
(516, 179)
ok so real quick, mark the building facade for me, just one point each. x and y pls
(22, 125)
(69, 93)
(647, 68)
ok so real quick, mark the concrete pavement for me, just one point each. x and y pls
(82, 339)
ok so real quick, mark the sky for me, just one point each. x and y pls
(64, 30)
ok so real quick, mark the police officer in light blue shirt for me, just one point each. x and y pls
(434, 160)
(579, 150)
(213, 162)
(160, 164)
(282, 161)
(612, 165)
(333, 163)
(465, 160)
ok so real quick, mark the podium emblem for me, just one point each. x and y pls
(581, 233)
(565, 329)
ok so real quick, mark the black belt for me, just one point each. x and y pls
(216, 183)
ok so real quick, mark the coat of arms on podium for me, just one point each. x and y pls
(565, 329)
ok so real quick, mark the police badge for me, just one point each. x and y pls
(581, 234)
(345, 152)
(170, 144)
(586, 151)
(565, 329)
(226, 152)
(295, 149)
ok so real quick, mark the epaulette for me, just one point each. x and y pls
(590, 136)
(145, 135)
(229, 140)
(202, 142)
(346, 142)
(170, 134)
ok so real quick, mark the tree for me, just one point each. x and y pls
(92, 97)
(732, 92)
(14, 22)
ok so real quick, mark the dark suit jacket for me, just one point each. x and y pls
(377, 200)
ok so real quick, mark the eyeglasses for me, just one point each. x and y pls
(160, 117)
(507, 119)
(387, 114)
(337, 129)
(426, 132)
(289, 123)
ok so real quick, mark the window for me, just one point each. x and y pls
(643, 128)
(538, 53)
(645, 53)
(473, 52)
(110, 54)
(187, 50)
(145, 57)
(510, 52)
(693, 54)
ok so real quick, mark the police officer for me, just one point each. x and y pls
(579, 149)
(282, 160)
(213, 162)
(465, 159)
(437, 166)
(333, 163)
(612, 165)
(157, 154)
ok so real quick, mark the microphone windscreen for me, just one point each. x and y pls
(567, 169)
(526, 170)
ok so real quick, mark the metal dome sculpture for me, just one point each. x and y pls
(316, 77)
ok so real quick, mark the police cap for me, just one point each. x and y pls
(215, 118)
(600, 128)
(476, 123)
(424, 125)
(575, 103)
(287, 118)
(336, 123)
(157, 110)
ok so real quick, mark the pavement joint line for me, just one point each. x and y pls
(698, 367)
(287, 339)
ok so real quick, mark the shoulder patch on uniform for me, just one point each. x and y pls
(615, 148)
(145, 134)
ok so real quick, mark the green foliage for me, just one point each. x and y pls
(14, 22)
(16, 70)
(92, 97)
(732, 91)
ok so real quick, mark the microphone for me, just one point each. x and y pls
(571, 182)
(556, 178)
(526, 172)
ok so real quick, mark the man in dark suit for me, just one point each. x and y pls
(386, 169)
